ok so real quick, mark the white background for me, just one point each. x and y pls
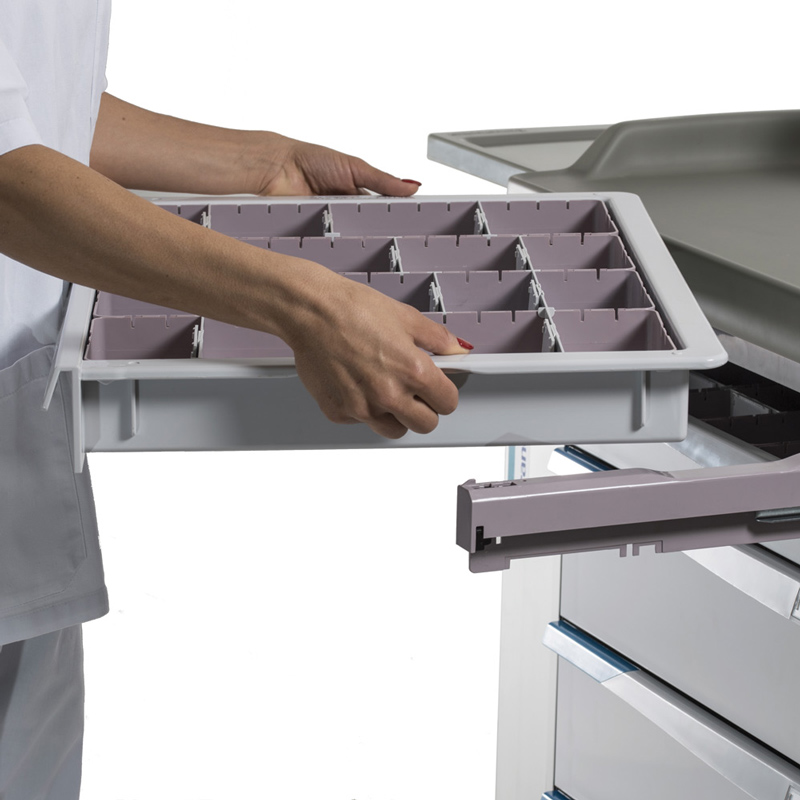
(302, 625)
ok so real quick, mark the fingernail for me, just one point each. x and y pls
(408, 180)
(466, 345)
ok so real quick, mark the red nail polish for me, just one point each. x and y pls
(408, 180)
(466, 345)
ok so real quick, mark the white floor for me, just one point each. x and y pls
(291, 625)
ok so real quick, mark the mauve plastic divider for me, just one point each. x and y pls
(547, 216)
(112, 338)
(581, 289)
(486, 291)
(607, 329)
(498, 331)
(340, 253)
(115, 305)
(222, 340)
(403, 219)
(269, 219)
(597, 251)
(194, 212)
(469, 253)
(414, 289)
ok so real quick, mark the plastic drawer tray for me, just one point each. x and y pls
(583, 328)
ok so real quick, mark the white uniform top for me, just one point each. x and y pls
(52, 74)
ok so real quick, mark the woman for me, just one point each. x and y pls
(66, 150)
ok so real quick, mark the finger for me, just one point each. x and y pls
(417, 415)
(437, 339)
(388, 426)
(368, 177)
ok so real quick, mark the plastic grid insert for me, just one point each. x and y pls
(510, 276)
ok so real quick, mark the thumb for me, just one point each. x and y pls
(365, 176)
(437, 339)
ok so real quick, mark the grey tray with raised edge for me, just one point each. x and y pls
(722, 189)
(607, 360)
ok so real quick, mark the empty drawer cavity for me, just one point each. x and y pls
(606, 329)
(405, 219)
(221, 340)
(577, 251)
(112, 338)
(547, 216)
(275, 219)
(341, 253)
(488, 291)
(500, 331)
(468, 253)
(590, 289)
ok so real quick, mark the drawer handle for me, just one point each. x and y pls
(743, 762)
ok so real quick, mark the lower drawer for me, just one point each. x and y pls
(697, 632)
(621, 734)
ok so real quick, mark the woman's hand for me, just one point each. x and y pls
(358, 353)
(283, 166)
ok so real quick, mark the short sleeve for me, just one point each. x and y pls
(17, 128)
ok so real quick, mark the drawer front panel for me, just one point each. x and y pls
(606, 750)
(696, 632)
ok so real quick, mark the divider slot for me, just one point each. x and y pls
(600, 329)
(488, 291)
(221, 340)
(498, 331)
(589, 289)
(276, 219)
(469, 253)
(112, 338)
(403, 219)
(577, 251)
(547, 216)
(340, 254)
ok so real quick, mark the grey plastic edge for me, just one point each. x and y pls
(471, 151)
(739, 759)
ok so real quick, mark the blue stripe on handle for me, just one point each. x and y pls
(593, 646)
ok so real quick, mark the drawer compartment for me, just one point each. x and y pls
(699, 633)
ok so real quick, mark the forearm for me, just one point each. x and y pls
(63, 218)
(141, 149)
